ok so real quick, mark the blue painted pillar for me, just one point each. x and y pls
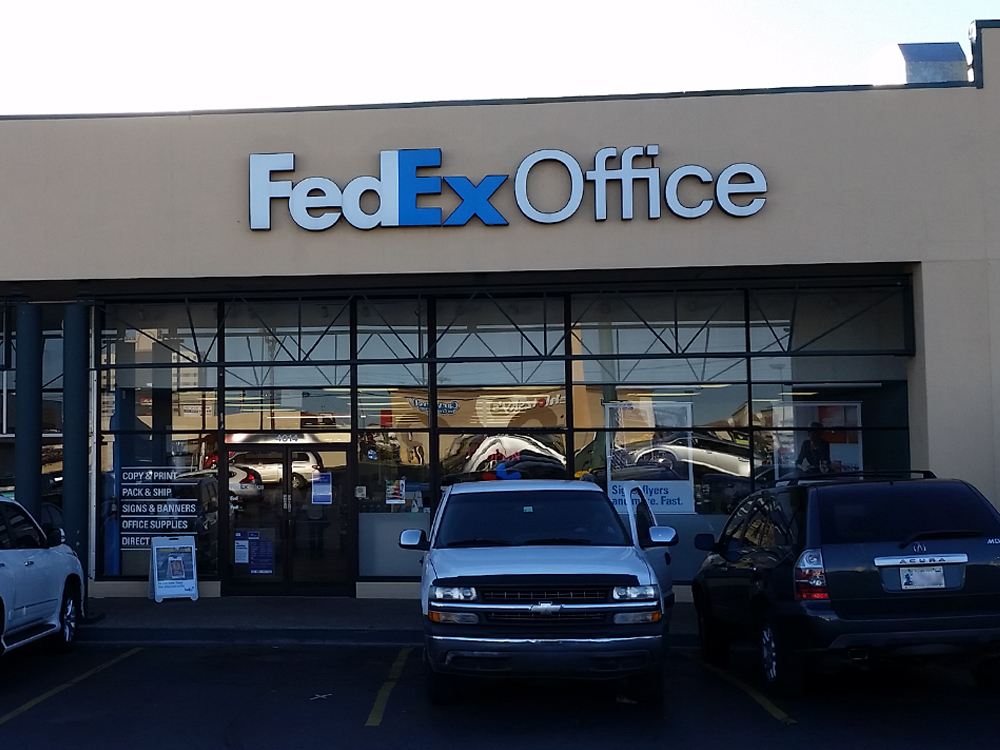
(76, 427)
(28, 398)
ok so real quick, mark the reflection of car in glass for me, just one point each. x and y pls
(544, 578)
(476, 457)
(244, 482)
(693, 451)
(269, 465)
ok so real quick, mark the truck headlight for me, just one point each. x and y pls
(636, 593)
(453, 593)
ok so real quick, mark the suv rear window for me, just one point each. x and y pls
(904, 511)
(500, 519)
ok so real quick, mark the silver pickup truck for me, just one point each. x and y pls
(544, 578)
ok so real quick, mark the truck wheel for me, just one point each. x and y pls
(987, 675)
(780, 667)
(712, 637)
(442, 689)
(69, 616)
(647, 688)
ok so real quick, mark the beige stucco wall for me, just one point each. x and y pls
(907, 175)
(853, 176)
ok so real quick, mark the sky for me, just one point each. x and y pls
(107, 56)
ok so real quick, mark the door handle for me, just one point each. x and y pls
(28, 562)
(3, 565)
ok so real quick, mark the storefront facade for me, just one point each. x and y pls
(283, 332)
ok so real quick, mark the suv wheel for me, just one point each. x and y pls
(780, 666)
(987, 675)
(712, 637)
(69, 615)
(298, 481)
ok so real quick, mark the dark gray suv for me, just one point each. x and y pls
(855, 569)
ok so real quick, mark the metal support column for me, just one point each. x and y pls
(28, 430)
(76, 427)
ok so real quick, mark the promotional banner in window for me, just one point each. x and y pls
(657, 461)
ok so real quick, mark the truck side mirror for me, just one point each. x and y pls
(665, 536)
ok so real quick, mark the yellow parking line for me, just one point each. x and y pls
(761, 699)
(56, 690)
(395, 672)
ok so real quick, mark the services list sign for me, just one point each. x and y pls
(157, 500)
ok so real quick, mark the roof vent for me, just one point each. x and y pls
(935, 62)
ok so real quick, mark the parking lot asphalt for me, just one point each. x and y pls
(250, 697)
(281, 621)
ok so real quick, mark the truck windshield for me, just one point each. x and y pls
(543, 517)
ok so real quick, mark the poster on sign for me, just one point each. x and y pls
(395, 491)
(322, 488)
(172, 570)
(648, 448)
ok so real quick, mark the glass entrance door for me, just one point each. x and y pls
(288, 519)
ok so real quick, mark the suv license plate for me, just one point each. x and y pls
(924, 577)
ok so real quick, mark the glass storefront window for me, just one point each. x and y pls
(326, 330)
(498, 372)
(819, 449)
(161, 399)
(648, 371)
(509, 407)
(499, 328)
(154, 485)
(668, 323)
(840, 368)
(392, 329)
(475, 457)
(710, 403)
(169, 332)
(871, 404)
(399, 408)
(842, 319)
(404, 373)
(394, 494)
(263, 332)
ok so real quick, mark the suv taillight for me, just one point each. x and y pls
(810, 576)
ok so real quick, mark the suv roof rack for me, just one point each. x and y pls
(875, 475)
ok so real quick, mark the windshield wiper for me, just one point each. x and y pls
(559, 540)
(479, 543)
(953, 534)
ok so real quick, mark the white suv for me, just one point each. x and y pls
(40, 582)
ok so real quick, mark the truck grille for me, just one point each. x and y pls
(537, 618)
(555, 595)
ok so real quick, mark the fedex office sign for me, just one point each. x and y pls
(317, 203)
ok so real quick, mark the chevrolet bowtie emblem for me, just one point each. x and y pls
(545, 608)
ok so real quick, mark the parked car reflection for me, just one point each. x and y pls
(478, 457)
(693, 452)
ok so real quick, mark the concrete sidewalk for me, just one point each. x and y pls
(281, 621)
